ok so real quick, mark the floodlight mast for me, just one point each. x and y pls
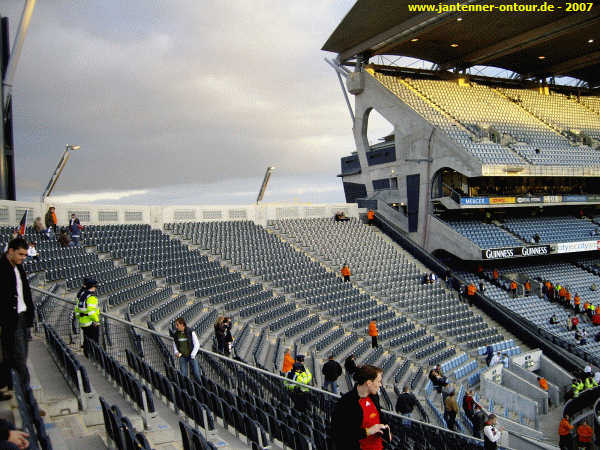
(265, 182)
(59, 168)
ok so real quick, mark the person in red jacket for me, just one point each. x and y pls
(574, 323)
(564, 433)
(345, 272)
(373, 333)
(596, 317)
(584, 436)
(370, 217)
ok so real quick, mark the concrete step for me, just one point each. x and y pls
(50, 388)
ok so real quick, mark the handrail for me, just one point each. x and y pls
(248, 366)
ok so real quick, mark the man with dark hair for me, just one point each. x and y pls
(332, 371)
(186, 346)
(16, 311)
(87, 312)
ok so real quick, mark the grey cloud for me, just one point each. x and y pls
(164, 93)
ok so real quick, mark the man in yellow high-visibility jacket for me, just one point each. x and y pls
(301, 374)
(87, 311)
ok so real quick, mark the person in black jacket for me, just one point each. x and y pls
(357, 420)
(350, 365)
(16, 311)
(406, 402)
(478, 421)
(332, 371)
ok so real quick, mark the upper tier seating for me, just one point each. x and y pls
(558, 110)
(532, 125)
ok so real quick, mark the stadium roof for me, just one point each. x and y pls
(534, 45)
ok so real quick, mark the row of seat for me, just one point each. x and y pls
(274, 314)
(102, 277)
(132, 292)
(77, 270)
(141, 304)
(139, 395)
(167, 308)
(31, 421)
(120, 432)
(222, 287)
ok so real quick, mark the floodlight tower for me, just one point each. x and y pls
(62, 162)
(263, 187)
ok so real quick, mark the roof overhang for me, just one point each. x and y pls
(535, 45)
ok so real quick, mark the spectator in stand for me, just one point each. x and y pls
(478, 421)
(589, 382)
(471, 291)
(373, 333)
(437, 378)
(357, 419)
(496, 359)
(350, 365)
(581, 336)
(468, 405)
(332, 371)
(591, 311)
(574, 323)
(562, 295)
(527, 288)
(543, 383)
(554, 319)
(220, 334)
(513, 288)
(406, 402)
(186, 345)
(576, 302)
(505, 360)
(564, 433)
(370, 217)
(451, 410)
(227, 324)
(288, 361)
(63, 239)
(495, 274)
(567, 298)
(32, 252)
(11, 438)
(38, 225)
(597, 377)
(585, 433)
(491, 435)
(489, 354)
(345, 272)
(551, 291)
(75, 229)
(50, 220)
(576, 387)
(482, 287)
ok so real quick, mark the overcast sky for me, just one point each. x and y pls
(164, 95)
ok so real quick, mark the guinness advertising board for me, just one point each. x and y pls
(516, 252)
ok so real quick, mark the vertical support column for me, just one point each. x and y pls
(7, 167)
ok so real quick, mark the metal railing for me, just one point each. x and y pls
(57, 311)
